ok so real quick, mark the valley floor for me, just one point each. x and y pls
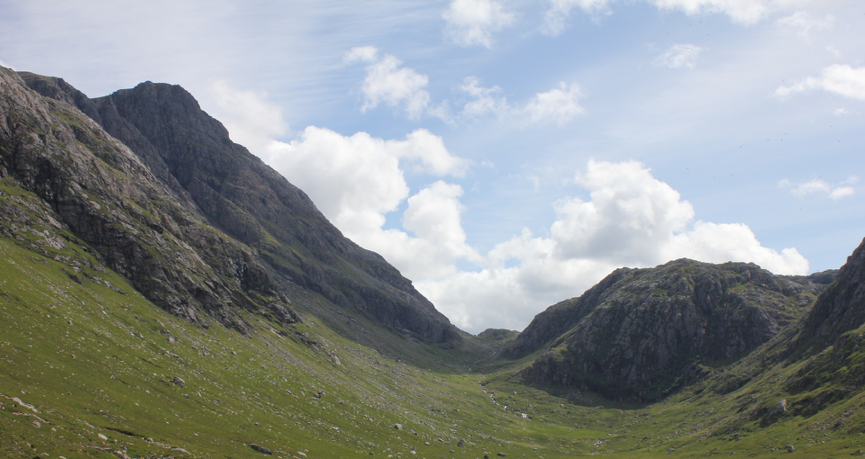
(89, 368)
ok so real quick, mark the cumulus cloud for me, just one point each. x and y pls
(388, 82)
(558, 104)
(820, 187)
(473, 22)
(630, 219)
(356, 180)
(840, 79)
(250, 119)
(678, 56)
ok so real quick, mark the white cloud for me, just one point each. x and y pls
(818, 186)
(628, 217)
(356, 180)
(631, 219)
(250, 119)
(556, 17)
(486, 101)
(473, 22)
(429, 149)
(841, 192)
(366, 54)
(843, 80)
(804, 22)
(740, 11)
(558, 104)
(678, 56)
(387, 81)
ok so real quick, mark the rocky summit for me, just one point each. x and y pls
(164, 293)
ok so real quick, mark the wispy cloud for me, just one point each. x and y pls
(678, 56)
(820, 187)
(366, 54)
(804, 22)
(556, 17)
(740, 11)
(485, 101)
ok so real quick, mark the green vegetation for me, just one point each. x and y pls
(85, 355)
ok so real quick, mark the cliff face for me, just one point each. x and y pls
(100, 193)
(199, 225)
(639, 334)
(840, 308)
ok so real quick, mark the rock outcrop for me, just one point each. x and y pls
(831, 341)
(840, 308)
(641, 333)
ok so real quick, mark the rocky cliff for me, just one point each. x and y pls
(641, 333)
(199, 225)
(831, 341)
(840, 308)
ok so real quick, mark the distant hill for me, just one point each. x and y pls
(642, 333)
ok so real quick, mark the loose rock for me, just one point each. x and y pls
(261, 449)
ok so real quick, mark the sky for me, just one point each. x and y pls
(506, 155)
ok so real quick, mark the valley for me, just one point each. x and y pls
(163, 293)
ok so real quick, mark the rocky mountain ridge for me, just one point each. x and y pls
(194, 220)
(642, 333)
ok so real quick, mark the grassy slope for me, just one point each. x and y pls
(83, 354)
(86, 355)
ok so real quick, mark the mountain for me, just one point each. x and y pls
(642, 333)
(163, 293)
(263, 239)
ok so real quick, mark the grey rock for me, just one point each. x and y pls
(261, 449)
(780, 407)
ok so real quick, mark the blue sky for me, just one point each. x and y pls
(508, 154)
